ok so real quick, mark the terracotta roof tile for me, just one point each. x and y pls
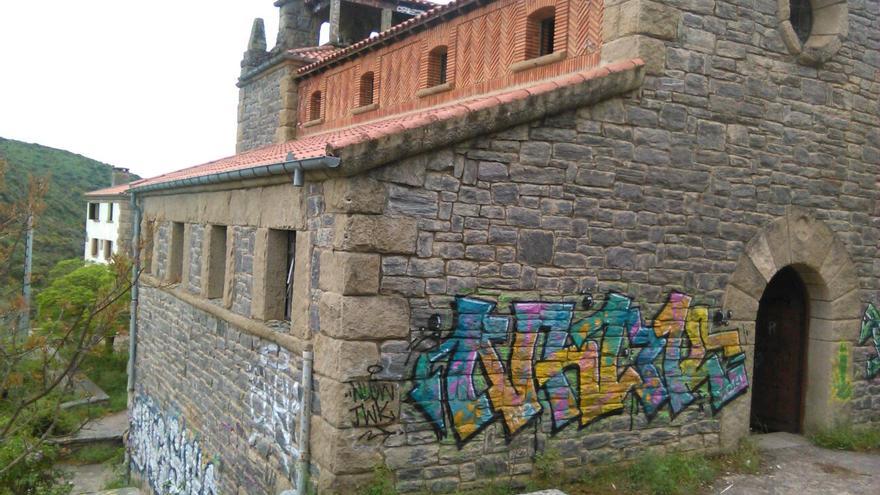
(324, 144)
(314, 52)
(114, 190)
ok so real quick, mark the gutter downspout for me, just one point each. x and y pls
(305, 424)
(132, 323)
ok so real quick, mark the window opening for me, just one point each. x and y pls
(437, 66)
(108, 249)
(540, 32)
(315, 106)
(801, 18)
(110, 212)
(291, 264)
(366, 93)
(93, 211)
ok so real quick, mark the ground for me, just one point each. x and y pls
(793, 465)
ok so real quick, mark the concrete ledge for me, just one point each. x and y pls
(247, 325)
(364, 109)
(538, 61)
(433, 90)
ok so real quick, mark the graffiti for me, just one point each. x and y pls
(841, 385)
(167, 456)
(274, 401)
(374, 404)
(540, 359)
(871, 330)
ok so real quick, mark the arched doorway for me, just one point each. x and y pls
(805, 244)
(780, 355)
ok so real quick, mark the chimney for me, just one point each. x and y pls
(119, 176)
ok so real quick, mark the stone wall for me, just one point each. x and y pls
(161, 248)
(214, 399)
(196, 239)
(242, 278)
(260, 101)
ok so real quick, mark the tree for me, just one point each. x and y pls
(81, 307)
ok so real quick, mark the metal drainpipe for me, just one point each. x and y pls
(135, 268)
(305, 424)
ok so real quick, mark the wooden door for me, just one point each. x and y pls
(780, 342)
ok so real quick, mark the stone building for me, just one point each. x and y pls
(509, 227)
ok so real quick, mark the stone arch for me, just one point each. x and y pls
(800, 240)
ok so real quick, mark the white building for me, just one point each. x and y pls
(108, 223)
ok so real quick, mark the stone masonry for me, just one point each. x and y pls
(574, 264)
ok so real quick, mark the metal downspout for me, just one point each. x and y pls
(135, 269)
(132, 322)
(305, 424)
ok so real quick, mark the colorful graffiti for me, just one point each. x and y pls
(576, 371)
(871, 330)
(169, 458)
(275, 403)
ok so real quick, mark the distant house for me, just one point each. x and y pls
(108, 220)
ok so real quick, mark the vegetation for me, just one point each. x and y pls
(673, 473)
(59, 232)
(849, 437)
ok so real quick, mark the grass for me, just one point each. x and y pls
(108, 371)
(97, 454)
(673, 473)
(849, 437)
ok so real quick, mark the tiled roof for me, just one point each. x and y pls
(117, 190)
(405, 28)
(313, 52)
(328, 143)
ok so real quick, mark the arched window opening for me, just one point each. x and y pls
(366, 89)
(437, 62)
(315, 106)
(540, 32)
(801, 18)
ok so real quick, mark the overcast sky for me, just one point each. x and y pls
(145, 85)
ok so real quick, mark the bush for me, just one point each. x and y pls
(848, 437)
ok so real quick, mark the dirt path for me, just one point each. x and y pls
(794, 466)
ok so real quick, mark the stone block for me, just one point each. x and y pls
(360, 403)
(535, 247)
(378, 234)
(354, 195)
(281, 206)
(651, 50)
(340, 449)
(344, 360)
(364, 317)
(350, 274)
(641, 17)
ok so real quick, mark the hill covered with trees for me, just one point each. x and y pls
(60, 230)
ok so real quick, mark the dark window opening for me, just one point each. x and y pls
(108, 249)
(94, 248)
(109, 212)
(366, 93)
(548, 29)
(291, 264)
(540, 32)
(801, 18)
(315, 106)
(93, 211)
(437, 66)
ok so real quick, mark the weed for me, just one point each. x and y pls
(381, 484)
(548, 464)
(745, 459)
(846, 436)
(97, 454)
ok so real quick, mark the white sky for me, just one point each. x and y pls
(145, 85)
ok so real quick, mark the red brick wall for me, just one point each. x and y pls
(482, 45)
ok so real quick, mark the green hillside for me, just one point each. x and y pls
(60, 231)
